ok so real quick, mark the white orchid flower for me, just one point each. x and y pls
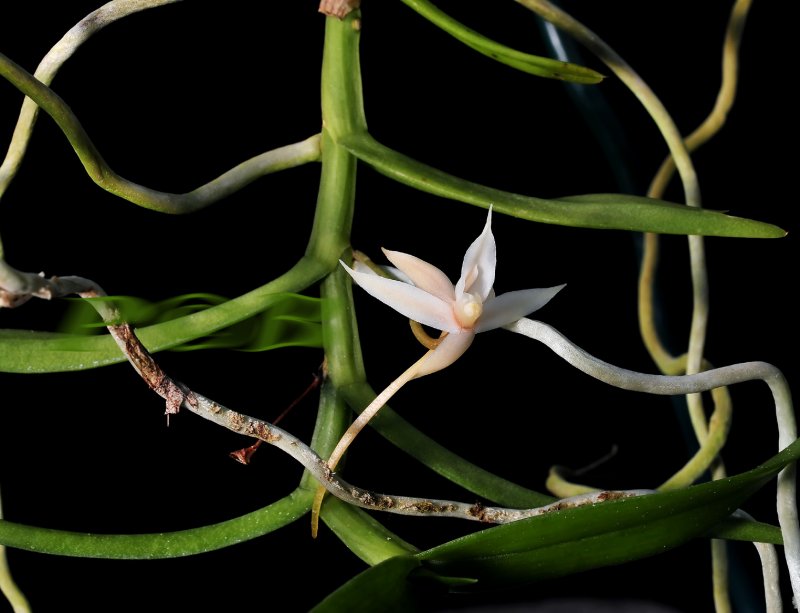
(460, 311)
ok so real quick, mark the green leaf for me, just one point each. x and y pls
(572, 540)
(600, 211)
(397, 584)
(275, 327)
(25, 351)
(383, 587)
(532, 64)
(293, 320)
(456, 582)
(158, 545)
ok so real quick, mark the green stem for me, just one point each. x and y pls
(342, 100)
(365, 536)
(332, 421)
(342, 112)
(330, 235)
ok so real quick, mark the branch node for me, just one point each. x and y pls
(338, 8)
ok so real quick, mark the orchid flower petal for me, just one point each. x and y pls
(480, 260)
(511, 306)
(398, 274)
(425, 276)
(448, 351)
(408, 300)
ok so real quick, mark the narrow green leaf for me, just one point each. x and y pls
(38, 352)
(272, 328)
(600, 211)
(572, 540)
(746, 530)
(159, 545)
(294, 320)
(532, 64)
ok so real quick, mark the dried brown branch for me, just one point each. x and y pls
(18, 287)
(338, 8)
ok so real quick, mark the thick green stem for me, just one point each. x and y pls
(330, 235)
(342, 112)
(342, 101)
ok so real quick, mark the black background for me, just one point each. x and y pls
(174, 96)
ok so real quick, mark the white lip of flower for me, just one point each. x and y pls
(428, 297)
(463, 310)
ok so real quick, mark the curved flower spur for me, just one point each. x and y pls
(461, 311)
